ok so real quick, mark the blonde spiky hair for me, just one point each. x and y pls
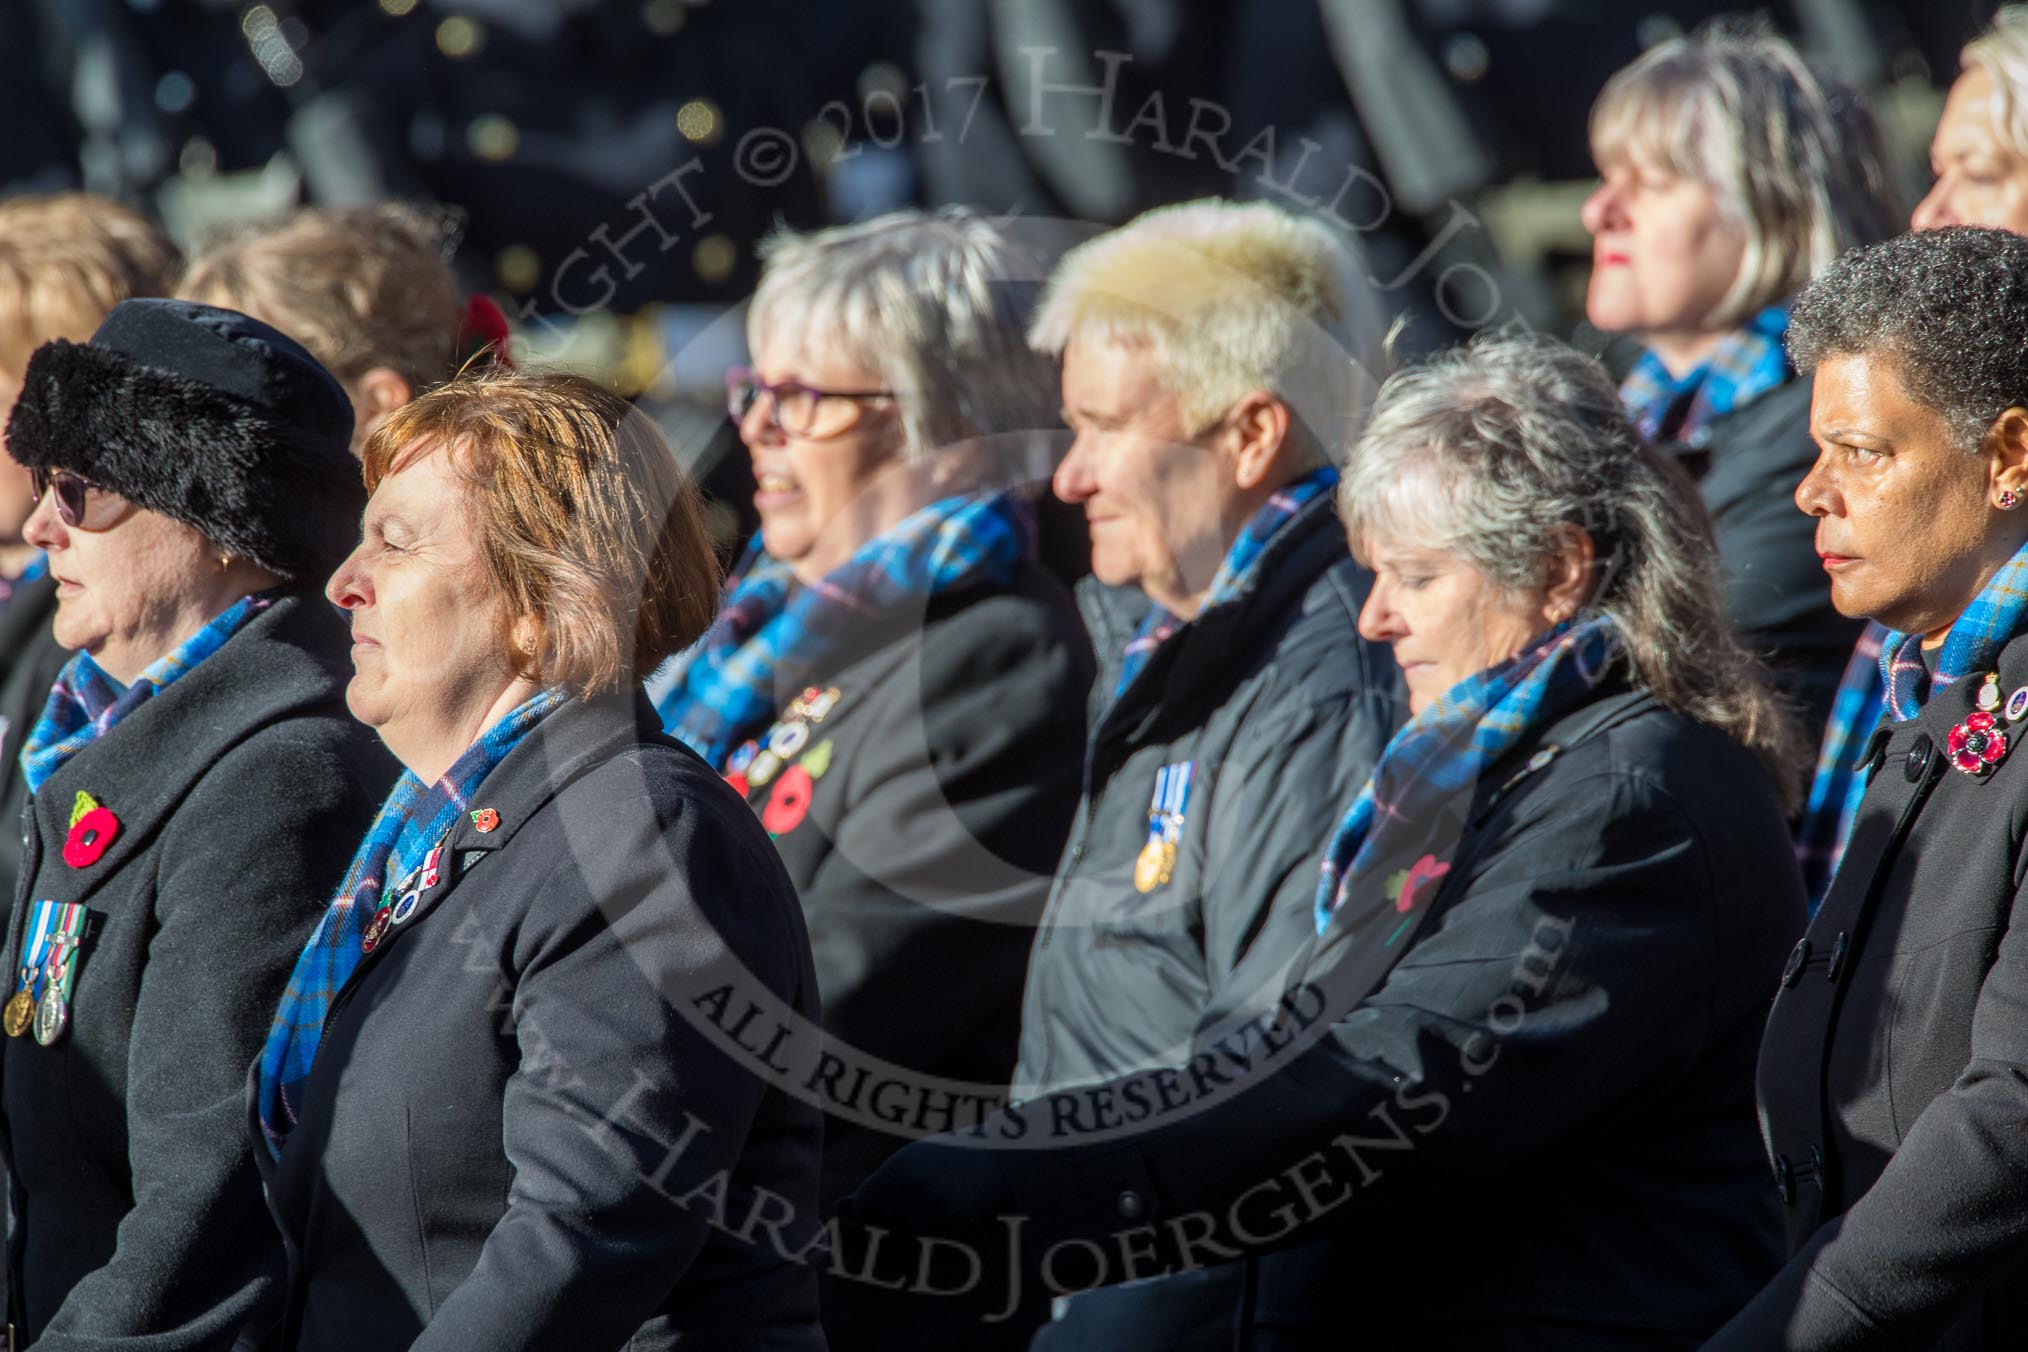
(1231, 297)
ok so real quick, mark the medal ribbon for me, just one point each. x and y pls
(40, 922)
(1172, 798)
(63, 948)
(1175, 801)
(52, 927)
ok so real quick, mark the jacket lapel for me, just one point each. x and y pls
(1202, 651)
(285, 661)
(1909, 760)
(577, 738)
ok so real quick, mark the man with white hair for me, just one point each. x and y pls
(1212, 373)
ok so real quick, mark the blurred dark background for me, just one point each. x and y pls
(606, 168)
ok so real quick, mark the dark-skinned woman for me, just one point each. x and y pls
(1894, 1074)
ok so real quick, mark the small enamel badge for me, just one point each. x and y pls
(484, 820)
(2017, 705)
(1977, 744)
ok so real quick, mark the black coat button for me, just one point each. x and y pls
(1838, 947)
(1918, 758)
(1785, 1180)
(1798, 955)
(1131, 1205)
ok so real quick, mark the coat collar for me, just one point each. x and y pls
(1310, 544)
(578, 737)
(289, 660)
(1948, 707)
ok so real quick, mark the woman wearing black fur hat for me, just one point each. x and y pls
(197, 788)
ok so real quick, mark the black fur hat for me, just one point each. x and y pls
(206, 416)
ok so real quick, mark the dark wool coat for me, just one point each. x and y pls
(1894, 1077)
(1535, 1133)
(524, 1127)
(920, 821)
(30, 660)
(241, 792)
(1775, 585)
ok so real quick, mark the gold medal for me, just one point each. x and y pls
(1167, 857)
(1151, 870)
(19, 1014)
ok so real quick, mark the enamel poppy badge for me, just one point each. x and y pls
(1977, 744)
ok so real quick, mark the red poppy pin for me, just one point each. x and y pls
(1407, 884)
(1977, 744)
(92, 829)
(485, 820)
(789, 803)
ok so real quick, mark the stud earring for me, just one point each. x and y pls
(2008, 501)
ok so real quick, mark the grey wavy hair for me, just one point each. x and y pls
(1492, 450)
(1793, 154)
(1949, 306)
(936, 302)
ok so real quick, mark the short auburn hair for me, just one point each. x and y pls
(65, 261)
(359, 286)
(586, 523)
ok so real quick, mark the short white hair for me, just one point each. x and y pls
(935, 303)
(1793, 155)
(1231, 297)
(2002, 52)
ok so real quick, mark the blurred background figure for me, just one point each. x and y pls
(365, 289)
(615, 171)
(65, 261)
(1731, 174)
(894, 682)
(1980, 158)
(1980, 151)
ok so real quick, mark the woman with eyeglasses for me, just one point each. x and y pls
(196, 790)
(893, 681)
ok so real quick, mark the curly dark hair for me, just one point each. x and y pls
(1950, 306)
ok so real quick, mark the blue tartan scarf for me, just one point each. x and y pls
(1443, 750)
(1238, 573)
(1748, 364)
(1837, 786)
(1975, 639)
(414, 818)
(772, 633)
(86, 704)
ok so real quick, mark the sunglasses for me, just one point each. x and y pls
(80, 503)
